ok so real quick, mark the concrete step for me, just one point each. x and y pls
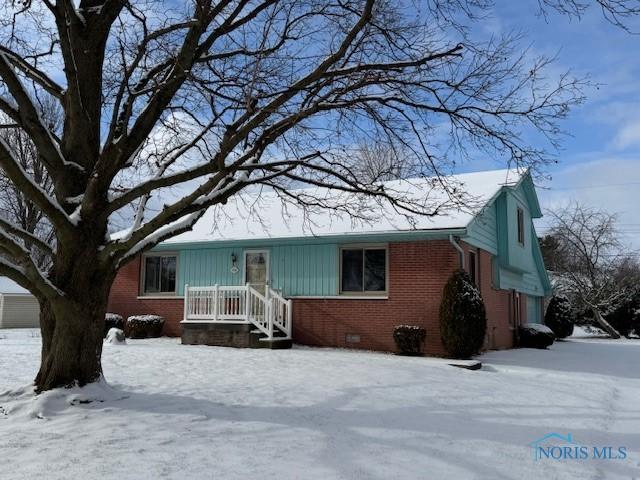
(276, 333)
(259, 340)
(275, 343)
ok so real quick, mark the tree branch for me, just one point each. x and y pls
(21, 180)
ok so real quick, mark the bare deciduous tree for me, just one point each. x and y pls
(16, 207)
(589, 260)
(379, 162)
(209, 97)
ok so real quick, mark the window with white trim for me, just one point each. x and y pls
(159, 274)
(363, 270)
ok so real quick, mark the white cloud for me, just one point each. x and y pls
(610, 183)
(628, 136)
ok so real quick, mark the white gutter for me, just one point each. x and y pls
(457, 246)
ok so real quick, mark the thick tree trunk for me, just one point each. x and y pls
(47, 326)
(72, 324)
(606, 326)
(72, 349)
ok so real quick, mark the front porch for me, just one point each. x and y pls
(236, 316)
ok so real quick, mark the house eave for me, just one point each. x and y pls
(381, 236)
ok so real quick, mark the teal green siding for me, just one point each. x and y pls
(512, 254)
(534, 309)
(502, 228)
(208, 266)
(482, 232)
(540, 267)
(309, 270)
(518, 267)
(520, 256)
(305, 270)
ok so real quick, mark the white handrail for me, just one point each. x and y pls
(258, 314)
(239, 304)
(281, 312)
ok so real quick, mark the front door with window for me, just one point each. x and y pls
(256, 269)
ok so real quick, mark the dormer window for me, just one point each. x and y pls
(520, 226)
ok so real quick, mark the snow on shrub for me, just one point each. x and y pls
(115, 337)
(625, 317)
(112, 320)
(409, 339)
(144, 326)
(463, 319)
(559, 316)
(535, 335)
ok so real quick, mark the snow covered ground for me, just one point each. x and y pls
(173, 411)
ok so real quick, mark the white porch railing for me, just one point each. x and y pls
(270, 313)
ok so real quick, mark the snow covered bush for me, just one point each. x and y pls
(113, 320)
(463, 319)
(559, 316)
(144, 326)
(625, 318)
(116, 337)
(536, 336)
(409, 339)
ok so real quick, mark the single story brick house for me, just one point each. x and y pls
(238, 280)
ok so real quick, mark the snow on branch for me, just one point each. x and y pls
(215, 190)
(10, 228)
(22, 181)
(23, 269)
(31, 121)
(163, 233)
(35, 74)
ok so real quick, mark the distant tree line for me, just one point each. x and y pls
(589, 264)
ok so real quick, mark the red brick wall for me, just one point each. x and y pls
(124, 300)
(497, 304)
(417, 274)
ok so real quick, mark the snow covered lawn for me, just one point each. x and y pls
(175, 411)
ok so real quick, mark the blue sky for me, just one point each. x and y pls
(600, 163)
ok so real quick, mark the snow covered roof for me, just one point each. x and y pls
(255, 216)
(8, 286)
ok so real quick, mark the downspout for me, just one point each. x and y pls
(457, 246)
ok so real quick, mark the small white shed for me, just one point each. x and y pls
(18, 307)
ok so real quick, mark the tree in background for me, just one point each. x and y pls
(589, 258)
(16, 208)
(379, 162)
(551, 252)
(625, 315)
(207, 98)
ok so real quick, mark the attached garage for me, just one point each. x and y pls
(18, 307)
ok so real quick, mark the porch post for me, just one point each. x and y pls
(247, 302)
(268, 310)
(186, 302)
(215, 302)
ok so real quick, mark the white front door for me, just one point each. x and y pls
(256, 269)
